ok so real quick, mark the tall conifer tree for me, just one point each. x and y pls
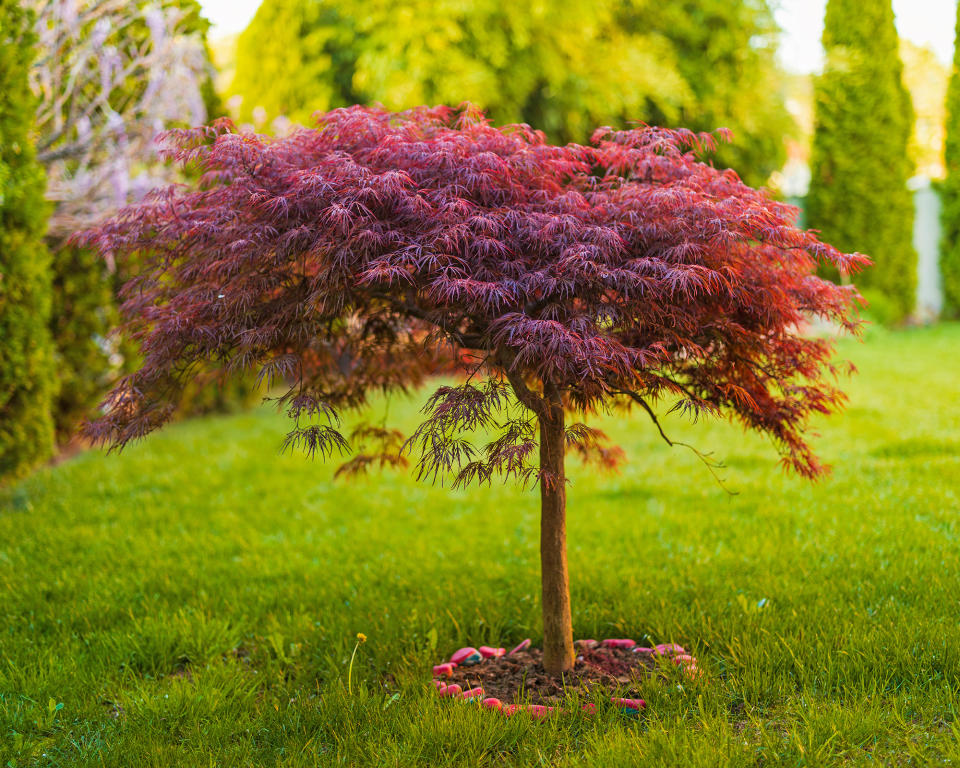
(26, 370)
(860, 164)
(950, 194)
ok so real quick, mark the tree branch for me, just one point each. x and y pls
(710, 464)
(524, 394)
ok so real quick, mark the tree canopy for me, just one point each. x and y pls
(659, 276)
(562, 67)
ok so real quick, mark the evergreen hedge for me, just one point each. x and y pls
(950, 194)
(860, 164)
(26, 357)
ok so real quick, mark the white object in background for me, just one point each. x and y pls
(926, 242)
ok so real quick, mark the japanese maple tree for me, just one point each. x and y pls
(363, 255)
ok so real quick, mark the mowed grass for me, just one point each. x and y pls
(195, 600)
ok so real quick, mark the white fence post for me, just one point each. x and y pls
(926, 241)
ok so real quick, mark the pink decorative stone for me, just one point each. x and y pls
(466, 657)
(444, 670)
(637, 704)
(630, 707)
(536, 711)
(664, 648)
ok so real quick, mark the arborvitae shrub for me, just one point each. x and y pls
(26, 360)
(860, 164)
(950, 195)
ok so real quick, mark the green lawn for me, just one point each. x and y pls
(195, 600)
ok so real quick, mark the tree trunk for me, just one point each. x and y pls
(558, 653)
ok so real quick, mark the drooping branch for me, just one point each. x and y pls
(509, 456)
(711, 465)
(592, 445)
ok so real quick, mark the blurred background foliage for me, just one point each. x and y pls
(564, 66)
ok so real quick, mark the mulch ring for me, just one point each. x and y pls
(517, 681)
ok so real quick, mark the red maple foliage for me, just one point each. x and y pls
(358, 256)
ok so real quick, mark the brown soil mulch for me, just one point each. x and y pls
(521, 677)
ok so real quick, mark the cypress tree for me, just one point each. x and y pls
(26, 369)
(950, 194)
(860, 163)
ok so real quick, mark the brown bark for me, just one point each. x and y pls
(558, 653)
